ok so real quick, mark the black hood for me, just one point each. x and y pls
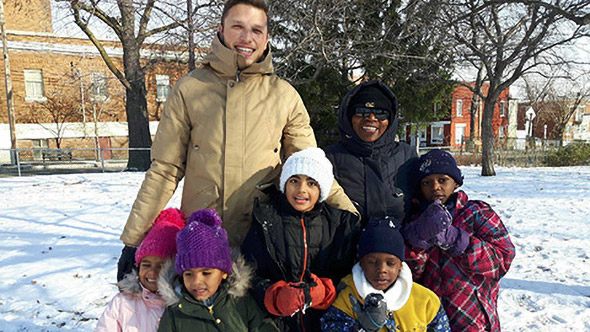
(350, 139)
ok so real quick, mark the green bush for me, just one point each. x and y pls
(574, 154)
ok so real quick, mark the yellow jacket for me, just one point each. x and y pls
(420, 309)
(226, 132)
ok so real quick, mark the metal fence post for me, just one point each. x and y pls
(16, 152)
(102, 158)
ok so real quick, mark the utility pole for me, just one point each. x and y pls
(79, 72)
(8, 85)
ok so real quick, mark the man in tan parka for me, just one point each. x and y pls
(225, 128)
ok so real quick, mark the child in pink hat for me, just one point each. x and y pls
(139, 306)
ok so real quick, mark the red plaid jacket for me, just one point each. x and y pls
(467, 284)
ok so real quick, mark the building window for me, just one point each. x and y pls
(34, 85)
(501, 132)
(163, 87)
(437, 133)
(578, 114)
(459, 107)
(98, 85)
(422, 134)
(460, 133)
(502, 108)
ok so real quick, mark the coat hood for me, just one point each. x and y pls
(130, 283)
(350, 139)
(226, 62)
(170, 283)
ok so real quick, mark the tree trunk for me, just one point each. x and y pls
(136, 109)
(487, 137)
(191, 35)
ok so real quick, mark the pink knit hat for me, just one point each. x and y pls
(203, 243)
(161, 239)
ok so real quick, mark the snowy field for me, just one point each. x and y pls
(59, 246)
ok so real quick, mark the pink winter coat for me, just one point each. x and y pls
(134, 309)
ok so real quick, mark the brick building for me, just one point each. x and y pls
(46, 66)
(539, 121)
(452, 131)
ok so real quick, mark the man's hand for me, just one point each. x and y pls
(372, 315)
(126, 262)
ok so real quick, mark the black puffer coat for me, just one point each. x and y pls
(275, 247)
(367, 171)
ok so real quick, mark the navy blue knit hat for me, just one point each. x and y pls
(370, 97)
(438, 162)
(382, 236)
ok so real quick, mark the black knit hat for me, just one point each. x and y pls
(382, 236)
(438, 162)
(370, 97)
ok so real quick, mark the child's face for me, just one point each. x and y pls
(438, 186)
(381, 269)
(203, 282)
(302, 192)
(149, 269)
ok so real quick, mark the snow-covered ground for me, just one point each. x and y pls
(59, 246)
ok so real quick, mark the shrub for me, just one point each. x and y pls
(574, 154)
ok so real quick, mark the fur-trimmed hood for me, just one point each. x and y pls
(131, 286)
(170, 283)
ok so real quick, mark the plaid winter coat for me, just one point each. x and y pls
(467, 284)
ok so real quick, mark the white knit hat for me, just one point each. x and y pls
(313, 163)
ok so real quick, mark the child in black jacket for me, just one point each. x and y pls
(300, 247)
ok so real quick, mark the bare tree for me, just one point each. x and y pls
(134, 23)
(556, 102)
(60, 107)
(510, 40)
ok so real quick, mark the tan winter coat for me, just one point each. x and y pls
(227, 132)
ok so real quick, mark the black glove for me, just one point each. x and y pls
(372, 315)
(126, 262)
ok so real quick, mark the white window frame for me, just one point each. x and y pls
(461, 138)
(579, 113)
(502, 108)
(39, 144)
(437, 139)
(99, 86)
(501, 132)
(162, 84)
(459, 107)
(34, 90)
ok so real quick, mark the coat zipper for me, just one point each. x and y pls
(304, 250)
(304, 268)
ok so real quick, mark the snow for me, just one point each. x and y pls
(59, 246)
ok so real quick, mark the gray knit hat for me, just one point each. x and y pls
(313, 163)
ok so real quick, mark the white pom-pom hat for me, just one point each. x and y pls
(313, 163)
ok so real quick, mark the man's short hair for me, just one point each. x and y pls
(260, 4)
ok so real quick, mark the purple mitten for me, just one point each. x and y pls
(410, 234)
(452, 239)
(434, 219)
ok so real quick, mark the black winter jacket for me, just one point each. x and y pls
(368, 171)
(275, 247)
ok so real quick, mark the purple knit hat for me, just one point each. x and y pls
(160, 241)
(203, 243)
